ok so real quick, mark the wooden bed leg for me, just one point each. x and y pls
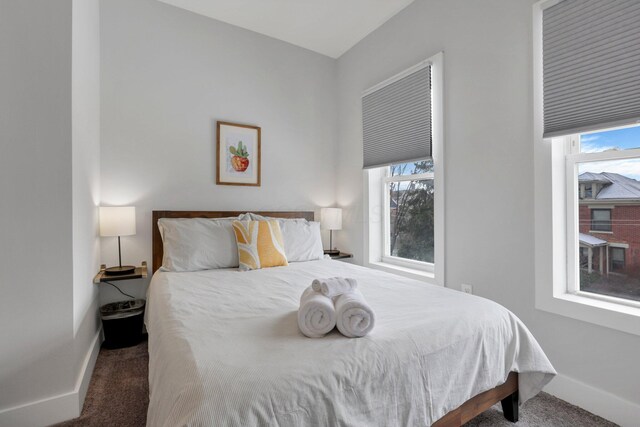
(510, 407)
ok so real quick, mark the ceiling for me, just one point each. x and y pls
(329, 27)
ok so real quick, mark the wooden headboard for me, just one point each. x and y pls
(157, 239)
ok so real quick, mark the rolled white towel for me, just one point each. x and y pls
(316, 315)
(354, 317)
(334, 286)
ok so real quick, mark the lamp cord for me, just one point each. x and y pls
(119, 290)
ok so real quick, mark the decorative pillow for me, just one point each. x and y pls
(302, 239)
(191, 244)
(260, 244)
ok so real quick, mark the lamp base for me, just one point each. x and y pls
(331, 251)
(120, 271)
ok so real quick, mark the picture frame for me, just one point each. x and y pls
(238, 154)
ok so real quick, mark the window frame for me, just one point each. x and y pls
(386, 223)
(551, 207)
(600, 222)
(374, 199)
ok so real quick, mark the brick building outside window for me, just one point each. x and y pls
(609, 226)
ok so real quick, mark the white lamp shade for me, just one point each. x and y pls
(331, 218)
(117, 221)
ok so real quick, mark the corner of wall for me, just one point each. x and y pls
(600, 402)
(57, 408)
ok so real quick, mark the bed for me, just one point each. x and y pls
(225, 349)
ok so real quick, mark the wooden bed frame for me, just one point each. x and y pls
(506, 394)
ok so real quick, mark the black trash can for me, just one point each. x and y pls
(122, 322)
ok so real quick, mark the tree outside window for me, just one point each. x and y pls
(411, 211)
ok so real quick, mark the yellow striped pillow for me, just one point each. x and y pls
(260, 244)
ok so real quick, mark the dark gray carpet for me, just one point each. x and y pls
(543, 410)
(119, 394)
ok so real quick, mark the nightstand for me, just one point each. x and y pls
(340, 255)
(140, 273)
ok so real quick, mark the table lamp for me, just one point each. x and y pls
(331, 219)
(116, 222)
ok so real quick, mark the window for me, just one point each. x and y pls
(404, 194)
(605, 224)
(600, 219)
(409, 212)
(587, 162)
(617, 259)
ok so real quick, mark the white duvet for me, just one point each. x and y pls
(225, 350)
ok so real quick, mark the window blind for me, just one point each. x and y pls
(591, 65)
(396, 120)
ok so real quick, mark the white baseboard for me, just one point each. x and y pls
(42, 412)
(58, 408)
(84, 376)
(599, 402)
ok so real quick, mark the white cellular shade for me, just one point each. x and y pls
(591, 56)
(331, 218)
(396, 120)
(117, 221)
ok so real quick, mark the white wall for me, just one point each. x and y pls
(85, 130)
(167, 76)
(48, 121)
(489, 168)
(35, 195)
(35, 200)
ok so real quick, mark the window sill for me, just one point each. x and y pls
(601, 232)
(593, 309)
(411, 273)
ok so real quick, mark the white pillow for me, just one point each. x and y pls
(302, 239)
(191, 244)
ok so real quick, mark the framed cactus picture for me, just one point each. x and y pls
(238, 152)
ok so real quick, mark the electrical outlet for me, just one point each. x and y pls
(467, 289)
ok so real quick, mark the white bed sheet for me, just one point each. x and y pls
(225, 350)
